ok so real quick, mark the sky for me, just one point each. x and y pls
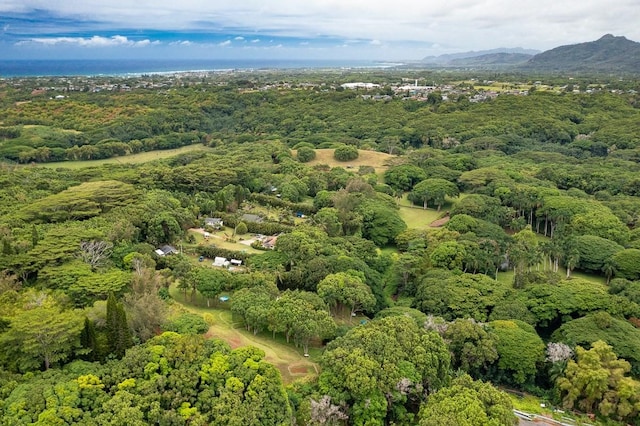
(398, 30)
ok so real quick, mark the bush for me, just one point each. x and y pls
(346, 153)
(187, 324)
(241, 228)
(627, 263)
(305, 154)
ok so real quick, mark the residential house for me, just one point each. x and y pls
(166, 250)
(214, 222)
(270, 242)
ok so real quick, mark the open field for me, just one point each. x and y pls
(502, 86)
(507, 276)
(219, 240)
(377, 160)
(141, 157)
(418, 218)
(287, 358)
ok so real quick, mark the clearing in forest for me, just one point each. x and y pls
(287, 358)
(141, 157)
(375, 159)
(417, 217)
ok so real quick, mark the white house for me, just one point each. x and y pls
(221, 262)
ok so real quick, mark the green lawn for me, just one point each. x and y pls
(286, 357)
(142, 157)
(507, 276)
(219, 239)
(418, 218)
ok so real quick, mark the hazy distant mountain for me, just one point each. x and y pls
(445, 60)
(608, 54)
(491, 60)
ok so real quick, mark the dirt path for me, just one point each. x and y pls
(288, 359)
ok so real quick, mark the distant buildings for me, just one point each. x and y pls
(360, 85)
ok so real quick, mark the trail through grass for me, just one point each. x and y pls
(141, 157)
(287, 358)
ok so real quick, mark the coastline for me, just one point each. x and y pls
(26, 68)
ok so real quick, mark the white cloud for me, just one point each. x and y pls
(95, 41)
(239, 38)
(225, 43)
(451, 24)
(375, 42)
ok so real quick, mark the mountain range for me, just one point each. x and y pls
(607, 54)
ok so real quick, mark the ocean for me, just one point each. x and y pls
(132, 67)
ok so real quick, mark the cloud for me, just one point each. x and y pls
(415, 25)
(225, 43)
(95, 41)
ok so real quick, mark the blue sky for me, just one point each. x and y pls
(294, 29)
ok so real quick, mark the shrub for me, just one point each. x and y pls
(346, 153)
(306, 154)
(241, 228)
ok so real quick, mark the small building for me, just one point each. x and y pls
(236, 262)
(270, 242)
(166, 250)
(220, 262)
(214, 222)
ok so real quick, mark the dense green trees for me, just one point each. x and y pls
(553, 186)
(346, 290)
(171, 379)
(597, 381)
(467, 402)
(520, 350)
(458, 296)
(384, 368)
(621, 335)
(41, 337)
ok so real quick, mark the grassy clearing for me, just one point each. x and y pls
(288, 359)
(377, 160)
(418, 218)
(219, 239)
(142, 157)
(507, 276)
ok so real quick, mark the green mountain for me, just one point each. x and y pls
(491, 60)
(608, 54)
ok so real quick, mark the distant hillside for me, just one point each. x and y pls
(448, 59)
(492, 60)
(608, 54)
